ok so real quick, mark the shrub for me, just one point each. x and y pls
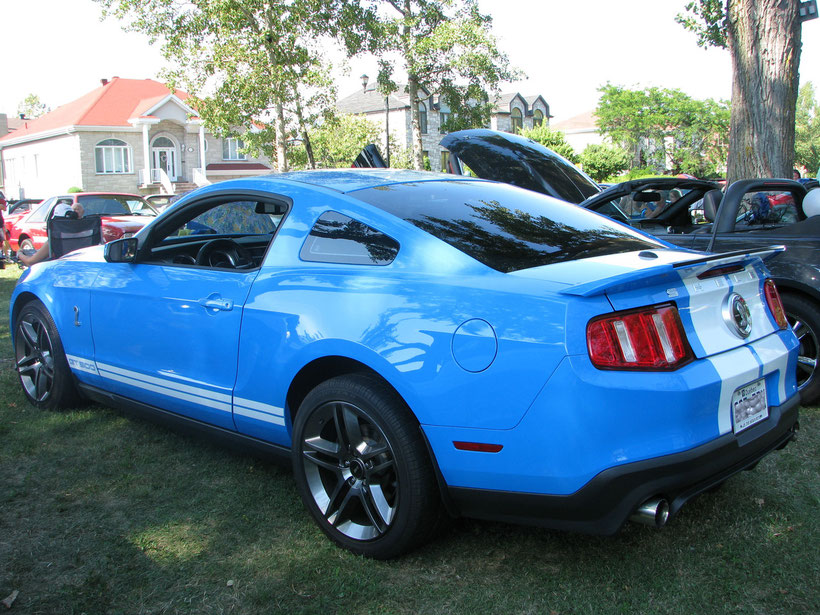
(603, 161)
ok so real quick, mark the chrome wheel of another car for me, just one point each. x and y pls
(805, 322)
(362, 468)
(41, 363)
(27, 245)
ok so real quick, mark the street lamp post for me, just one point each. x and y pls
(365, 79)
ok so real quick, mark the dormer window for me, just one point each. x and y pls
(537, 118)
(516, 120)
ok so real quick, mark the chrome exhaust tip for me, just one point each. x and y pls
(654, 512)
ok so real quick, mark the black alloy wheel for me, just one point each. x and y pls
(40, 361)
(804, 318)
(362, 468)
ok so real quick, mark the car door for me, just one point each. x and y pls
(166, 327)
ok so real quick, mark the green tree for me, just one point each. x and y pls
(31, 106)
(665, 129)
(763, 38)
(336, 142)
(247, 62)
(446, 48)
(807, 129)
(552, 139)
(602, 162)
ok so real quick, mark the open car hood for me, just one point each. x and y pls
(522, 162)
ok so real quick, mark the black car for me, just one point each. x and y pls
(686, 212)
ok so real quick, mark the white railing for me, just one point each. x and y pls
(198, 175)
(156, 176)
(162, 178)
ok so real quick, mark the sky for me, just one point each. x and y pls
(60, 49)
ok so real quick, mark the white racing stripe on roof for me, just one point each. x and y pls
(218, 401)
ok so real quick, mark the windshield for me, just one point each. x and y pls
(115, 205)
(504, 227)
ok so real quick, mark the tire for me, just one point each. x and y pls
(362, 467)
(25, 245)
(42, 367)
(804, 318)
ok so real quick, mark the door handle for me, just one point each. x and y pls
(216, 302)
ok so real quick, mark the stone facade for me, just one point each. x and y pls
(371, 104)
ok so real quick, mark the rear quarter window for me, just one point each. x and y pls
(336, 238)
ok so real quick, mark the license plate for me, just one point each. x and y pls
(749, 405)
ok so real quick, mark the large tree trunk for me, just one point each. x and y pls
(764, 43)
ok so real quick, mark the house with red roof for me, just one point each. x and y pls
(128, 135)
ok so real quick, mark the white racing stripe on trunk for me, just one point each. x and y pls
(735, 368)
(775, 357)
(705, 301)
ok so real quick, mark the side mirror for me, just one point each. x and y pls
(121, 250)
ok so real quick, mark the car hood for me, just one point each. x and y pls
(522, 162)
(127, 223)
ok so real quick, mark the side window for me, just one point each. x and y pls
(39, 214)
(219, 233)
(337, 238)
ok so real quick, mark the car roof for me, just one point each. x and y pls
(350, 180)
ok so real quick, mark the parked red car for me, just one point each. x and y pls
(122, 216)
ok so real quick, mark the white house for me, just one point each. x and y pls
(128, 135)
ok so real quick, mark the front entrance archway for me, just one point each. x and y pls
(163, 158)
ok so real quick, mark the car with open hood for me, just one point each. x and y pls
(417, 343)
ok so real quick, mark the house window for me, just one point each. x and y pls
(113, 156)
(516, 120)
(537, 118)
(443, 118)
(445, 161)
(231, 149)
(422, 118)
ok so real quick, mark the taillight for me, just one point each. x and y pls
(649, 338)
(775, 304)
(110, 233)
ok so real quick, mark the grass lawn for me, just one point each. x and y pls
(100, 513)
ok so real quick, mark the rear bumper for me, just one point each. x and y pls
(607, 501)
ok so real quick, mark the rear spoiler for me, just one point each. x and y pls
(652, 276)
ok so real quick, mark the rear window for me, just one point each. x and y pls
(504, 227)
